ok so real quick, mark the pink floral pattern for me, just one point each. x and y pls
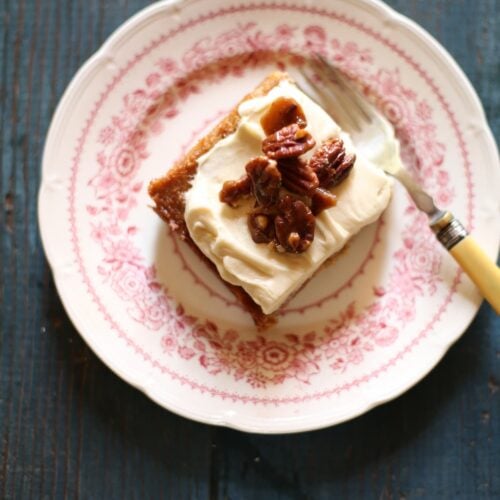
(260, 360)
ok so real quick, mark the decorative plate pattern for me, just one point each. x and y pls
(372, 323)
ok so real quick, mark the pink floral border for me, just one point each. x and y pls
(124, 145)
(132, 258)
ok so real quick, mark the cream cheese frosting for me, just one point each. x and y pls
(222, 234)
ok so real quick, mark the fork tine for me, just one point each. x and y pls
(356, 99)
(341, 114)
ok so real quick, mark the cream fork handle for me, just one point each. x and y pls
(470, 257)
(480, 269)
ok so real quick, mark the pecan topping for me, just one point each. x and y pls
(232, 191)
(297, 176)
(294, 225)
(282, 112)
(288, 142)
(331, 163)
(266, 180)
(288, 220)
(321, 200)
(261, 225)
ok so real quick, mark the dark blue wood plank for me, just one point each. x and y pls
(70, 428)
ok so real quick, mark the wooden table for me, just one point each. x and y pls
(70, 428)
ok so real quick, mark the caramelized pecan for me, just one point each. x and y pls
(232, 191)
(321, 200)
(297, 176)
(282, 112)
(288, 142)
(331, 163)
(294, 225)
(289, 222)
(261, 225)
(266, 180)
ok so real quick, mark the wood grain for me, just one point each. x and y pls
(69, 428)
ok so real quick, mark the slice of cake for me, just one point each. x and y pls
(273, 191)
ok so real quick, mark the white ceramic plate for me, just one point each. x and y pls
(370, 325)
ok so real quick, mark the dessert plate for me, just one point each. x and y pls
(376, 319)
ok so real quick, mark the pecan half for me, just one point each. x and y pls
(282, 112)
(321, 200)
(232, 191)
(297, 176)
(288, 142)
(261, 225)
(266, 180)
(294, 225)
(331, 163)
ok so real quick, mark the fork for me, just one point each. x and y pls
(374, 138)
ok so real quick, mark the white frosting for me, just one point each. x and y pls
(222, 234)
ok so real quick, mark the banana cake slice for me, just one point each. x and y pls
(271, 193)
